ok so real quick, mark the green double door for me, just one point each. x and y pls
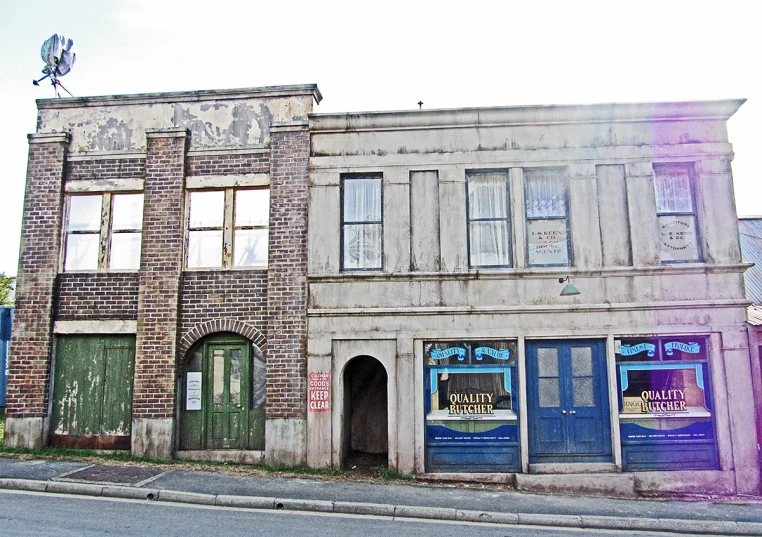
(92, 391)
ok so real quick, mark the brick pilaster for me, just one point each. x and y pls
(287, 273)
(161, 267)
(29, 363)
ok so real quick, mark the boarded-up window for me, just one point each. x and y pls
(92, 385)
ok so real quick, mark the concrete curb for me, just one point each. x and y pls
(675, 525)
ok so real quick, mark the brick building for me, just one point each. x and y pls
(163, 249)
(171, 299)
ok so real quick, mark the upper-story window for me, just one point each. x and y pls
(228, 228)
(103, 232)
(361, 223)
(489, 225)
(547, 217)
(676, 214)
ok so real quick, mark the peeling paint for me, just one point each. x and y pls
(112, 135)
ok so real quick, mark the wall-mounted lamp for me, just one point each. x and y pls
(569, 289)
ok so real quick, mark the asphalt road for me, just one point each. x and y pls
(24, 514)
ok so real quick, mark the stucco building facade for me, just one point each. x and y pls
(266, 282)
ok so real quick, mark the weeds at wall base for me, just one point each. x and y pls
(126, 457)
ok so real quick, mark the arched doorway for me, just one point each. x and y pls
(366, 414)
(222, 395)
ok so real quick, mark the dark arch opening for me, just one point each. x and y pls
(366, 414)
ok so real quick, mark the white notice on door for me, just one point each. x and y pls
(193, 391)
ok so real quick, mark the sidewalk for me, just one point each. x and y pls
(163, 483)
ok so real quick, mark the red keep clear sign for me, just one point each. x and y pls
(319, 393)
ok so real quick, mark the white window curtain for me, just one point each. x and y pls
(362, 223)
(362, 200)
(673, 191)
(489, 233)
(545, 197)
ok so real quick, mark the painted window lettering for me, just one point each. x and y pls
(676, 214)
(665, 398)
(546, 213)
(471, 401)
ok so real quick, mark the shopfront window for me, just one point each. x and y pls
(665, 403)
(471, 406)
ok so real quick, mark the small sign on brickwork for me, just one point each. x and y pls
(320, 392)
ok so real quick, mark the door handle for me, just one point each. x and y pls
(563, 412)
(573, 412)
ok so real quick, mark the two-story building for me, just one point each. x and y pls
(163, 256)
(532, 291)
(547, 296)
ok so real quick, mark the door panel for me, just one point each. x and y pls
(227, 368)
(92, 386)
(567, 398)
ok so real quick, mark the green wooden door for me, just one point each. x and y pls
(92, 385)
(227, 395)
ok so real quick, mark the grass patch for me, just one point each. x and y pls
(125, 457)
(392, 474)
(298, 470)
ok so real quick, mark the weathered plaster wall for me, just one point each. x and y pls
(232, 118)
(427, 291)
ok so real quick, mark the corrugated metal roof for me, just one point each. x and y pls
(750, 230)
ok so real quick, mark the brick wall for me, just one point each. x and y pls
(122, 168)
(231, 294)
(161, 267)
(229, 164)
(287, 275)
(97, 296)
(29, 362)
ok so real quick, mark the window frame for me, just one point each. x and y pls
(509, 247)
(350, 177)
(105, 230)
(655, 353)
(228, 228)
(689, 169)
(566, 218)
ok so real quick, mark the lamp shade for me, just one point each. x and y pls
(569, 290)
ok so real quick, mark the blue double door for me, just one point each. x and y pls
(567, 399)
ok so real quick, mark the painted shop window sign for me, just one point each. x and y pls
(665, 397)
(547, 222)
(676, 214)
(361, 222)
(228, 228)
(471, 394)
(103, 232)
(489, 223)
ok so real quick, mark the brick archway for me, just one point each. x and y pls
(216, 326)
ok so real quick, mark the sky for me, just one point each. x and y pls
(388, 55)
